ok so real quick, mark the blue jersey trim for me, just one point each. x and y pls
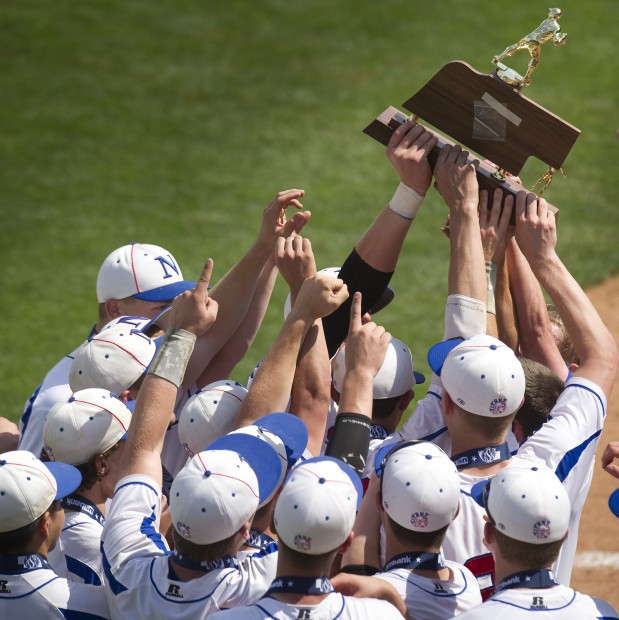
(148, 529)
(135, 482)
(444, 594)
(74, 614)
(571, 458)
(584, 387)
(265, 612)
(43, 585)
(115, 586)
(434, 435)
(83, 571)
(28, 411)
(430, 393)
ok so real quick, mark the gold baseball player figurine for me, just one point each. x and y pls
(548, 30)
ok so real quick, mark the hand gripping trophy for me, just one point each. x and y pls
(548, 30)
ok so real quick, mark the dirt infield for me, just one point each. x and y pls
(596, 571)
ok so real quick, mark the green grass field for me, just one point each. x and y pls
(176, 122)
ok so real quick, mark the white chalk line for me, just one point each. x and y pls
(597, 559)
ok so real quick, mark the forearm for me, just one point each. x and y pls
(535, 336)
(358, 276)
(467, 275)
(233, 351)
(270, 389)
(311, 388)
(506, 321)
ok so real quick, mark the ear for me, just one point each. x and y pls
(101, 465)
(448, 404)
(245, 529)
(518, 431)
(44, 525)
(346, 544)
(405, 400)
(112, 309)
(125, 396)
(488, 534)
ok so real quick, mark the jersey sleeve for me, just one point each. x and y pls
(132, 525)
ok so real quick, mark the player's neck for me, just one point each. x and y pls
(503, 568)
(394, 548)
(464, 441)
(94, 495)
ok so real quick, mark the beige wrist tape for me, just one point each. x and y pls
(491, 281)
(464, 317)
(171, 358)
(406, 201)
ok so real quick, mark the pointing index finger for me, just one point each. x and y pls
(355, 310)
(205, 278)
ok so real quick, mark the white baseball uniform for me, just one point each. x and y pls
(435, 599)
(140, 581)
(558, 602)
(566, 444)
(77, 555)
(332, 606)
(29, 588)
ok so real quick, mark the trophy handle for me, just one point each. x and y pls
(488, 177)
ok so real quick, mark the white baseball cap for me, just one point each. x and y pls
(395, 377)
(88, 423)
(528, 504)
(316, 508)
(210, 413)
(143, 271)
(218, 490)
(420, 485)
(28, 487)
(286, 434)
(112, 360)
(481, 374)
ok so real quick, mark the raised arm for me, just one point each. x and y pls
(369, 267)
(235, 291)
(192, 314)
(319, 296)
(536, 235)
(534, 329)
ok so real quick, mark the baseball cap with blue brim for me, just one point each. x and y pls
(29, 487)
(613, 502)
(219, 489)
(316, 509)
(90, 422)
(286, 434)
(395, 376)
(528, 504)
(481, 374)
(144, 271)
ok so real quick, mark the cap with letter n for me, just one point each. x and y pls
(482, 375)
(316, 509)
(528, 504)
(28, 487)
(90, 422)
(395, 377)
(420, 485)
(143, 271)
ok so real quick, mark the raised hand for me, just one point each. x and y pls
(274, 222)
(366, 343)
(194, 310)
(319, 296)
(494, 224)
(295, 260)
(536, 229)
(408, 151)
(456, 178)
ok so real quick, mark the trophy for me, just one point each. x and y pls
(488, 115)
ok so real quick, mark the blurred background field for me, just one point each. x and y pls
(175, 122)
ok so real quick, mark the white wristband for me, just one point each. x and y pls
(406, 201)
(491, 281)
(170, 361)
(464, 317)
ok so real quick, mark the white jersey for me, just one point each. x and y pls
(558, 602)
(77, 555)
(435, 599)
(140, 581)
(54, 388)
(332, 606)
(566, 444)
(29, 588)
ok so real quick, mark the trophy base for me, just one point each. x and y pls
(509, 76)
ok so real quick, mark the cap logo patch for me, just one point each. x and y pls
(541, 529)
(184, 530)
(303, 543)
(420, 519)
(498, 406)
